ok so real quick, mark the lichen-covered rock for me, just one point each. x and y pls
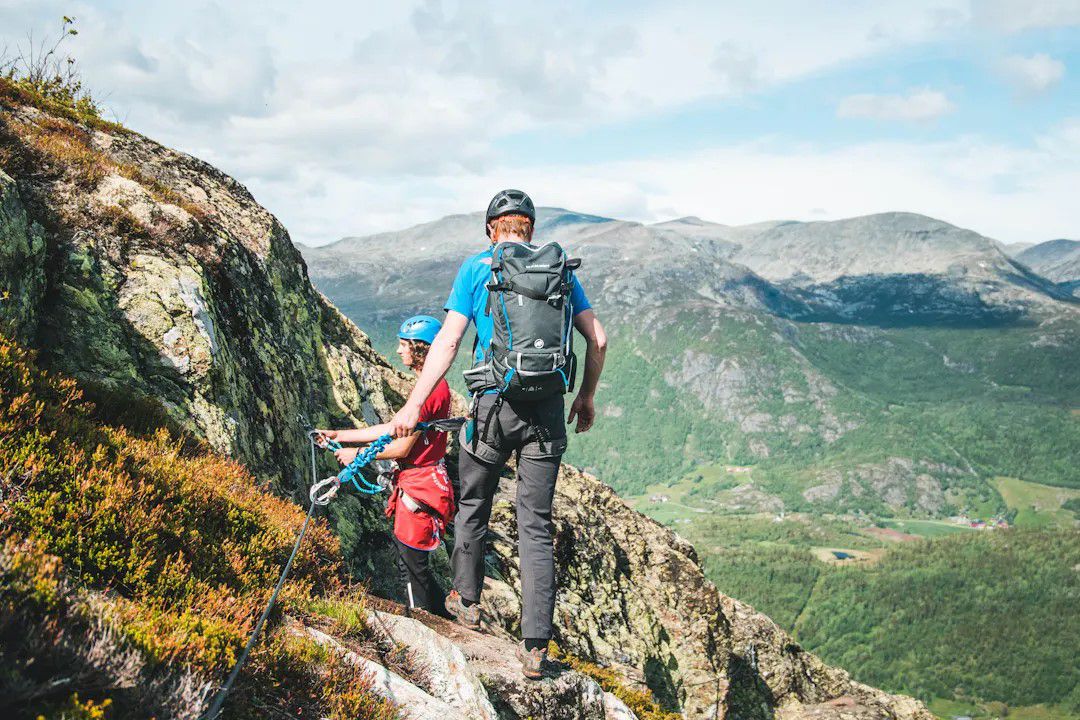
(615, 709)
(22, 264)
(466, 674)
(171, 283)
(449, 675)
(420, 704)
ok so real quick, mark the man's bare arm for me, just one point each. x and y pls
(582, 408)
(439, 359)
(364, 435)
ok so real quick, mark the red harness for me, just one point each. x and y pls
(422, 505)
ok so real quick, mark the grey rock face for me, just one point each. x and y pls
(177, 287)
(633, 596)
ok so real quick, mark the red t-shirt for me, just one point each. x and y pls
(430, 447)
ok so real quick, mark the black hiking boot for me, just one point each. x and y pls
(532, 661)
(467, 616)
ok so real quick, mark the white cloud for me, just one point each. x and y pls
(1016, 15)
(1034, 74)
(1014, 195)
(737, 68)
(361, 116)
(924, 104)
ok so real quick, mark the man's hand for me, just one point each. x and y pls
(582, 408)
(322, 436)
(346, 455)
(405, 421)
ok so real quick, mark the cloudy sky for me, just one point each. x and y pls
(351, 117)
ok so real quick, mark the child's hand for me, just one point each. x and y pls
(346, 455)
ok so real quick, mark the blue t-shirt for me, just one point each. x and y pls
(469, 297)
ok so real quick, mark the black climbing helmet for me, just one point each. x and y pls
(509, 202)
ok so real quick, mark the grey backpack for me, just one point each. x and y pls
(531, 354)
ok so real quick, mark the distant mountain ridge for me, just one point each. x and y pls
(919, 267)
(1058, 260)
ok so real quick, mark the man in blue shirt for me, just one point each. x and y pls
(533, 429)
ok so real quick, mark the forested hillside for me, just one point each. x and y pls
(1007, 598)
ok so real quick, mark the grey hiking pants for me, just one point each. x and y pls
(536, 431)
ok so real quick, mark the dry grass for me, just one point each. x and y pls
(641, 702)
(123, 223)
(67, 146)
(185, 546)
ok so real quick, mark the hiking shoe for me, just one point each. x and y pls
(532, 661)
(467, 616)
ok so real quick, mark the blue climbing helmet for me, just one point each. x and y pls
(420, 327)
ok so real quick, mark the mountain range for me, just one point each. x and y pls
(839, 347)
(1057, 260)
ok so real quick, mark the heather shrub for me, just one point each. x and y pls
(185, 546)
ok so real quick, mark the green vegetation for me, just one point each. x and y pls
(949, 402)
(947, 709)
(960, 616)
(776, 579)
(986, 615)
(1037, 505)
(926, 528)
(164, 554)
(770, 563)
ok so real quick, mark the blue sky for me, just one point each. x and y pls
(346, 118)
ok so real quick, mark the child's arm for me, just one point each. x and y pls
(398, 448)
(394, 451)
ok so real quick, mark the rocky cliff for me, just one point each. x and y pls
(159, 282)
(150, 273)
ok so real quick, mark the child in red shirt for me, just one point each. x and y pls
(421, 501)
